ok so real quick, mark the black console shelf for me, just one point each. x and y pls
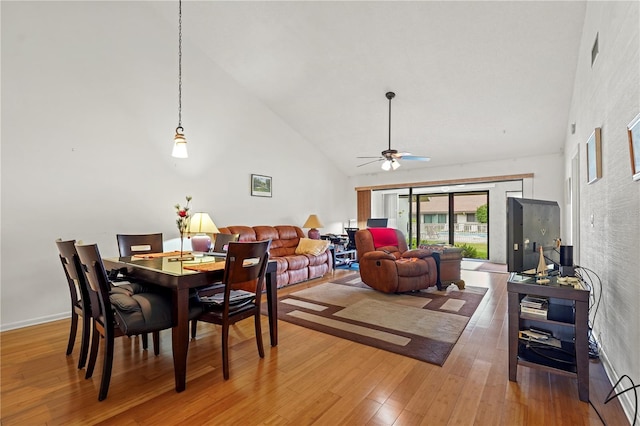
(562, 358)
(566, 320)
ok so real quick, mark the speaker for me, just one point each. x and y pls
(566, 255)
(567, 271)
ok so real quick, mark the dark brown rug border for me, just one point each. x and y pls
(421, 348)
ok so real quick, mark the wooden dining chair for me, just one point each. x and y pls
(244, 273)
(80, 301)
(117, 314)
(80, 308)
(132, 244)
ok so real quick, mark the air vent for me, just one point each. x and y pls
(594, 51)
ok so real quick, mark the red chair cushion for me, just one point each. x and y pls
(384, 237)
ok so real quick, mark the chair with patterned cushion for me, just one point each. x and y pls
(387, 264)
(240, 294)
(137, 244)
(117, 314)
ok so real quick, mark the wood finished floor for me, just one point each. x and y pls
(309, 378)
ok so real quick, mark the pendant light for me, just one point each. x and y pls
(179, 141)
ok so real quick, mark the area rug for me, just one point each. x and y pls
(424, 325)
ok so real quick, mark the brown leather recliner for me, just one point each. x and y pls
(387, 264)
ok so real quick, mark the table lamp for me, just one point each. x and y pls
(201, 225)
(313, 222)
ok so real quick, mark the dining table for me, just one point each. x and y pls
(181, 276)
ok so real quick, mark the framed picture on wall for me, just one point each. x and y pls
(260, 186)
(594, 156)
(634, 146)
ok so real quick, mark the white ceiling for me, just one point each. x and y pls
(474, 81)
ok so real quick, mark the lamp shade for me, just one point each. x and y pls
(202, 223)
(312, 222)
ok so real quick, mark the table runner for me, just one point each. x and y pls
(156, 255)
(209, 266)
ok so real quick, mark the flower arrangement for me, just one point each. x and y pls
(183, 219)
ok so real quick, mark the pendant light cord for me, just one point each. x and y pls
(180, 63)
(391, 97)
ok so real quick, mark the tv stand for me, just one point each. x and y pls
(567, 320)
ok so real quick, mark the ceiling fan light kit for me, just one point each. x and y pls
(390, 156)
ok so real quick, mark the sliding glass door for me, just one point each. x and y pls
(468, 215)
(460, 219)
(471, 223)
(432, 213)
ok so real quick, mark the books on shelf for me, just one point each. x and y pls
(534, 306)
(534, 313)
(534, 301)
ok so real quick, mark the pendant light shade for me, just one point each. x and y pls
(179, 145)
(179, 141)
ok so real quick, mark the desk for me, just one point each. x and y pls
(160, 271)
(344, 257)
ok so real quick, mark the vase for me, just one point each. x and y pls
(182, 256)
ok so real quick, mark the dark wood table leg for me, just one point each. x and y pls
(582, 349)
(272, 305)
(514, 328)
(180, 337)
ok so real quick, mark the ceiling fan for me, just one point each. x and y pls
(390, 157)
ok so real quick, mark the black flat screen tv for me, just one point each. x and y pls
(532, 224)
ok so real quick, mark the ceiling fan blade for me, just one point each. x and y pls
(369, 162)
(378, 157)
(399, 155)
(415, 158)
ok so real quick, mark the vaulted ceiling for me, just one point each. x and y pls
(474, 80)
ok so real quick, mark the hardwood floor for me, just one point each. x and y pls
(309, 378)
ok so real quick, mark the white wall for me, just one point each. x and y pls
(89, 109)
(607, 95)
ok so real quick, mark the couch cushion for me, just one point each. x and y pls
(298, 275)
(312, 247)
(266, 233)
(288, 232)
(289, 237)
(297, 261)
(246, 232)
(282, 264)
(321, 259)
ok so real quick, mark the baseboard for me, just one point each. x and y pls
(34, 321)
(628, 405)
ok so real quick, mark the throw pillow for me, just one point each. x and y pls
(312, 247)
